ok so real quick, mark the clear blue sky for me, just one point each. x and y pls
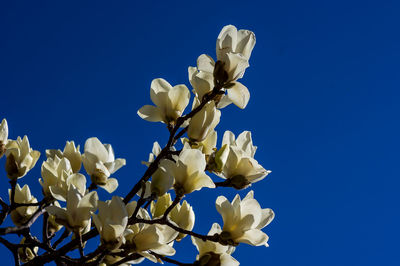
(324, 107)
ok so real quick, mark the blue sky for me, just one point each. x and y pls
(324, 83)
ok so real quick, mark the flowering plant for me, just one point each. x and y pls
(131, 231)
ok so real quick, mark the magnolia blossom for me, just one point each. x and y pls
(181, 215)
(79, 208)
(3, 136)
(203, 122)
(230, 40)
(237, 93)
(170, 102)
(213, 253)
(235, 161)
(188, 171)
(57, 175)
(26, 254)
(243, 220)
(20, 158)
(70, 152)
(99, 162)
(144, 238)
(53, 226)
(21, 215)
(111, 221)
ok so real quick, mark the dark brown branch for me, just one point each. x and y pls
(169, 260)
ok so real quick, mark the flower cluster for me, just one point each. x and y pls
(129, 230)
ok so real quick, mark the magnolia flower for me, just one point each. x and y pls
(230, 40)
(144, 238)
(243, 220)
(70, 152)
(181, 215)
(3, 136)
(203, 122)
(99, 162)
(213, 253)
(235, 161)
(21, 215)
(111, 221)
(57, 175)
(26, 254)
(170, 102)
(237, 93)
(188, 171)
(20, 158)
(76, 217)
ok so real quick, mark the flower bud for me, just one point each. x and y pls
(20, 158)
(21, 215)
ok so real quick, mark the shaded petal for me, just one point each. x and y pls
(150, 113)
(239, 95)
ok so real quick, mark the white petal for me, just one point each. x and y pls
(150, 113)
(239, 95)
(111, 185)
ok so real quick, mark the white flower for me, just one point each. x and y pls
(213, 253)
(170, 102)
(181, 215)
(243, 220)
(230, 40)
(237, 93)
(79, 208)
(21, 215)
(57, 175)
(70, 152)
(144, 238)
(3, 136)
(99, 162)
(20, 158)
(203, 122)
(111, 221)
(235, 161)
(188, 171)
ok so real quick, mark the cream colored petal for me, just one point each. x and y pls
(253, 237)
(239, 95)
(228, 260)
(89, 201)
(79, 181)
(267, 216)
(3, 131)
(159, 87)
(226, 40)
(150, 113)
(111, 185)
(246, 41)
(205, 63)
(199, 181)
(228, 138)
(95, 147)
(58, 193)
(57, 212)
(193, 159)
(179, 96)
(235, 65)
(115, 165)
(226, 210)
(165, 250)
